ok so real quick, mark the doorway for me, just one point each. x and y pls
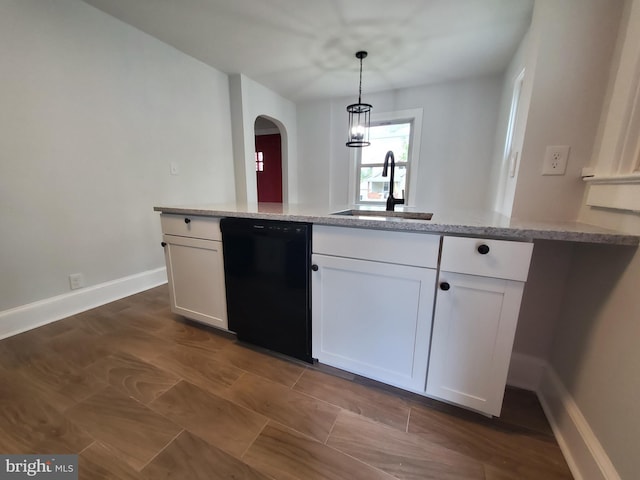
(268, 155)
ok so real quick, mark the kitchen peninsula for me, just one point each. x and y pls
(429, 306)
(481, 224)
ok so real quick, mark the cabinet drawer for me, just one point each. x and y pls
(402, 248)
(191, 226)
(501, 259)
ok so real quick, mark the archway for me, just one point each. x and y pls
(268, 155)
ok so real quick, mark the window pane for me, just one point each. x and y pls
(394, 137)
(375, 188)
(259, 162)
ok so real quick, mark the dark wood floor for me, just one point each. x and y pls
(140, 393)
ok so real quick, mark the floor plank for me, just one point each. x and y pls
(260, 364)
(151, 321)
(20, 349)
(522, 408)
(288, 455)
(190, 335)
(80, 347)
(199, 368)
(133, 376)
(28, 424)
(522, 472)
(490, 442)
(136, 342)
(127, 426)
(372, 403)
(57, 381)
(100, 321)
(220, 422)
(403, 455)
(99, 462)
(189, 457)
(294, 409)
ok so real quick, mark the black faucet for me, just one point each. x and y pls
(391, 202)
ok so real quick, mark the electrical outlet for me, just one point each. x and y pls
(555, 160)
(76, 281)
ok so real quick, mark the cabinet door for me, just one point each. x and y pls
(373, 319)
(473, 330)
(196, 279)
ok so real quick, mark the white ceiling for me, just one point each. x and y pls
(305, 49)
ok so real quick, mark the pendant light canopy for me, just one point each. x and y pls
(359, 116)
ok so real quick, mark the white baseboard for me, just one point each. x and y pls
(36, 314)
(580, 446)
(525, 371)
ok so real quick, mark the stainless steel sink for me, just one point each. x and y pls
(384, 213)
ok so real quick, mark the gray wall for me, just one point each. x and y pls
(594, 314)
(93, 112)
(596, 354)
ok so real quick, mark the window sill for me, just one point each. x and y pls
(620, 192)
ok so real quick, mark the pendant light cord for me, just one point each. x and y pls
(360, 88)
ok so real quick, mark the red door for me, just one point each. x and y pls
(269, 168)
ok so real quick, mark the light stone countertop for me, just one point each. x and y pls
(468, 223)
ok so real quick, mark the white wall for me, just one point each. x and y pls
(458, 132)
(572, 43)
(249, 101)
(93, 111)
(314, 143)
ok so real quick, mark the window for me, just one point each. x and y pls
(389, 132)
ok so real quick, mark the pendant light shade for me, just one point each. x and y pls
(359, 116)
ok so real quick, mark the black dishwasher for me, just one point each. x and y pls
(266, 267)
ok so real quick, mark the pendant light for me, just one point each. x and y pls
(359, 116)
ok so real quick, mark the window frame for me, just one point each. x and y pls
(614, 178)
(510, 156)
(412, 116)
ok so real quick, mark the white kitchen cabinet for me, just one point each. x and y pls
(477, 306)
(195, 269)
(373, 318)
